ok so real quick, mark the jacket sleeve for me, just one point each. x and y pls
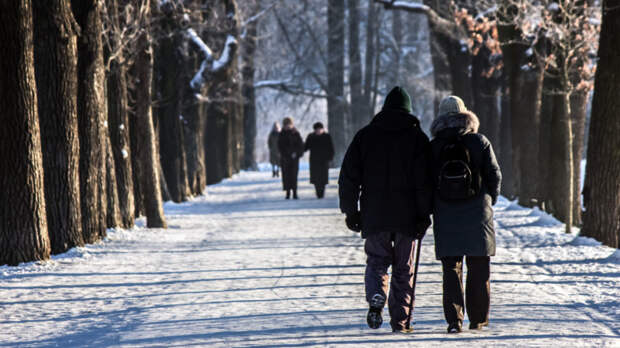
(301, 150)
(281, 145)
(331, 148)
(350, 179)
(491, 174)
(423, 183)
(307, 143)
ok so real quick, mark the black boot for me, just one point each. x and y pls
(321, 192)
(373, 318)
(288, 194)
(295, 194)
(455, 327)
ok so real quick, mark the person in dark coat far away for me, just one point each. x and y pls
(467, 182)
(386, 168)
(274, 153)
(321, 153)
(291, 148)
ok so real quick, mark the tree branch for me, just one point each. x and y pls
(437, 23)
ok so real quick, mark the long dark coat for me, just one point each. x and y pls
(291, 148)
(465, 227)
(386, 167)
(321, 153)
(272, 142)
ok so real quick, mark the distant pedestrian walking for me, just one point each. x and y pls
(291, 148)
(274, 153)
(467, 185)
(386, 169)
(321, 148)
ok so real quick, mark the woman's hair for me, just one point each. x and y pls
(287, 121)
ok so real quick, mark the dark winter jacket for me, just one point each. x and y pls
(465, 227)
(321, 153)
(386, 167)
(291, 148)
(272, 142)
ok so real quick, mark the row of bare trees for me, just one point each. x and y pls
(527, 69)
(111, 108)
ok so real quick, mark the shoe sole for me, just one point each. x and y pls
(478, 326)
(374, 318)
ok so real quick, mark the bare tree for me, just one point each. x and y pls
(23, 223)
(335, 76)
(92, 117)
(118, 105)
(55, 51)
(146, 144)
(601, 218)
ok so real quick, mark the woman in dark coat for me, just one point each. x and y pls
(464, 227)
(291, 148)
(321, 153)
(274, 153)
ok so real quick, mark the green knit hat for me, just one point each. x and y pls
(398, 99)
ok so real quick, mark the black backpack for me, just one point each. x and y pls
(458, 179)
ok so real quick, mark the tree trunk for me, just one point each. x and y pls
(113, 212)
(578, 107)
(505, 153)
(91, 117)
(146, 142)
(193, 127)
(561, 164)
(335, 77)
(528, 136)
(120, 139)
(248, 94)
(135, 133)
(218, 132)
(601, 219)
(486, 91)
(171, 139)
(55, 38)
(359, 109)
(23, 223)
(544, 152)
(396, 44)
(118, 105)
(440, 55)
(372, 26)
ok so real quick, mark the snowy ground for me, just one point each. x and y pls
(243, 267)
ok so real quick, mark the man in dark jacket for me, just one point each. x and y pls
(321, 153)
(386, 169)
(464, 227)
(291, 148)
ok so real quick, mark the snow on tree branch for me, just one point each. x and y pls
(209, 64)
(226, 55)
(442, 25)
(405, 5)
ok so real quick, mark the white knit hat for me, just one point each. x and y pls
(451, 105)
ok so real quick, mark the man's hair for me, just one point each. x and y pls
(317, 125)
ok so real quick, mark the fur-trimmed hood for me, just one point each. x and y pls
(467, 121)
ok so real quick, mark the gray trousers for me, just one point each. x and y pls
(395, 249)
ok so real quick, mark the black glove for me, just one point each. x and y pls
(421, 227)
(354, 221)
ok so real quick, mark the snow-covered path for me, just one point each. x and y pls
(243, 267)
